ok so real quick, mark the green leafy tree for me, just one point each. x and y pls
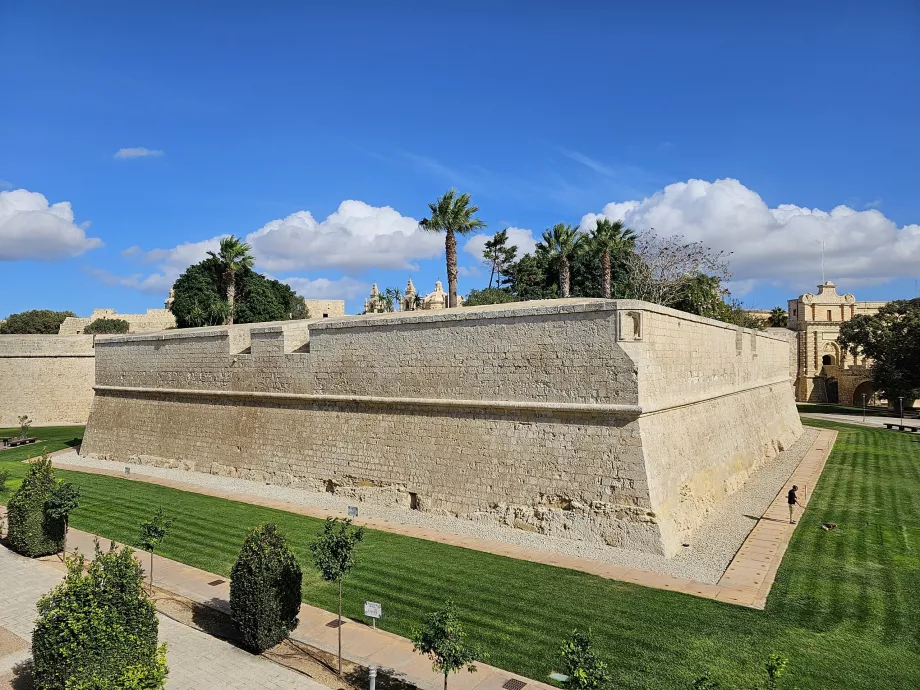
(563, 241)
(199, 299)
(31, 531)
(234, 256)
(4, 478)
(38, 321)
(153, 532)
(490, 295)
(442, 639)
(581, 664)
(891, 339)
(334, 556)
(265, 586)
(498, 254)
(608, 239)
(107, 326)
(63, 501)
(453, 214)
(778, 318)
(97, 630)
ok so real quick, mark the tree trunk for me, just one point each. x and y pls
(151, 572)
(564, 276)
(231, 295)
(450, 247)
(491, 275)
(445, 681)
(605, 262)
(340, 628)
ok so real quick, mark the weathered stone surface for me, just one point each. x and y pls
(611, 421)
(47, 377)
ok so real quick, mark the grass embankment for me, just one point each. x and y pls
(845, 608)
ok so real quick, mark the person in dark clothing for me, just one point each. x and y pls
(793, 502)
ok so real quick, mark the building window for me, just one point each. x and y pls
(830, 315)
(325, 316)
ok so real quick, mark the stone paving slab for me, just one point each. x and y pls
(196, 660)
(768, 538)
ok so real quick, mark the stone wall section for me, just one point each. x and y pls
(620, 422)
(151, 321)
(325, 308)
(47, 377)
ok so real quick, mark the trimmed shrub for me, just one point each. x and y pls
(265, 588)
(42, 321)
(98, 630)
(107, 326)
(31, 531)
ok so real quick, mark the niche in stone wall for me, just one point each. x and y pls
(629, 326)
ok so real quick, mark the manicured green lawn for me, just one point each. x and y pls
(845, 608)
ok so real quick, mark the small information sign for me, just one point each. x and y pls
(352, 511)
(373, 610)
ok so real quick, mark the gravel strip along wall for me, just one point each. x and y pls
(614, 422)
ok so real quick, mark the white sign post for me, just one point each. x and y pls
(373, 610)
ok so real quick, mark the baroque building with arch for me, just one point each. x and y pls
(825, 373)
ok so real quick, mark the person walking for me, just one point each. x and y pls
(793, 502)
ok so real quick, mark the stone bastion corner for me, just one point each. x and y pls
(610, 421)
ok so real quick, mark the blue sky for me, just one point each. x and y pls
(728, 123)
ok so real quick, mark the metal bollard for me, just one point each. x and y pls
(372, 671)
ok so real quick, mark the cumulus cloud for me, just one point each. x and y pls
(31, 228)
(137, 152)
(323, 288)
(355, 237)
(521, 238)
(780, 245)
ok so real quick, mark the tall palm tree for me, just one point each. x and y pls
(610, 238)
(778, 318)
(233, 256)
(454, 215)
(563, 241)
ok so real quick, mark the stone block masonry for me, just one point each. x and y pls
(47, 377)
(610, 421)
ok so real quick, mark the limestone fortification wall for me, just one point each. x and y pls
(152, 320)
(612, 421)
(329, 307)
(47, 377)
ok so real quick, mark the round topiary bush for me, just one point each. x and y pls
(98, 629)
(107, 326)
(30, 530)
(265, 588)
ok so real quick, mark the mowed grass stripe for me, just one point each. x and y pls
(843, 609)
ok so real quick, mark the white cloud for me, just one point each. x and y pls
(521, 238)
(155, 283)
(779, 245)
(355, 237)
(30, 228)
(138, 152)
(323, 288)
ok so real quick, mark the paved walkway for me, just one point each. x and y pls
(735, 590)
(196, 660)
(873, 421)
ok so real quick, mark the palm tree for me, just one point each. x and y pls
(452, 214)
(778, 318)
(562, 242)
(233, 256)
(611, 238)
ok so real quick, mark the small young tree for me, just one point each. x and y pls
(63, 501)
(153, 532)
(443, 640)
(334, 555)
(32, 532)
(4, 477)
(24, 425)
(581, 664)
(265, 588)
(98, 629)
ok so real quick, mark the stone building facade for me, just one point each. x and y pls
(47, 377)
(611, 421)
(376, 303)
(325, 308)
(824, 372)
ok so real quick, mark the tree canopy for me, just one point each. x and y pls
(891, 339)
(199, 297)
(107, 326)
(37, 321)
